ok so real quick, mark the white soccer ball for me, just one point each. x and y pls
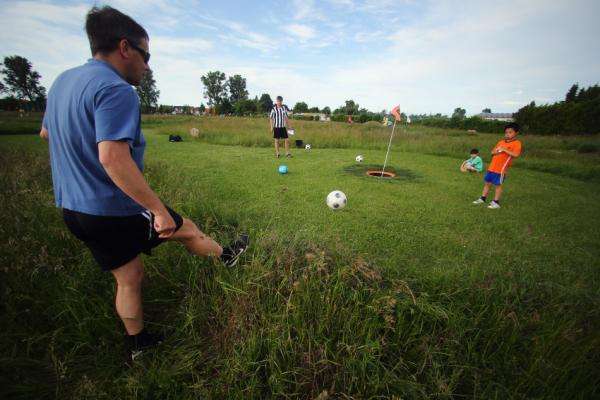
(359, 158)
(308, 147)
(336, 200)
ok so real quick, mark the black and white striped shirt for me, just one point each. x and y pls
(278, 115)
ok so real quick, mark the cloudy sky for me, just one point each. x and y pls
(428, 55)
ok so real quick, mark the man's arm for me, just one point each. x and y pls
(116, 159)
(44, 133)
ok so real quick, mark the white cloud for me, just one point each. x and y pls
(430, 56)
(301, 32)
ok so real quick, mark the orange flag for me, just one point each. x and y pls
(396, 113)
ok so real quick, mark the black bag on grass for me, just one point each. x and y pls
(175, 138)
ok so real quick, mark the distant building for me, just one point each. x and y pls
(506, 117)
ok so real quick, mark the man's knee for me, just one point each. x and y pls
(130, 274)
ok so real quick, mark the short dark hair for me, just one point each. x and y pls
(474, 151)
(106, 27)
(512, 125)
(279, 98)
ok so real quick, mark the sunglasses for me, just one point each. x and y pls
(144, 53)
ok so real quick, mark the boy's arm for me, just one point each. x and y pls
(513, 154)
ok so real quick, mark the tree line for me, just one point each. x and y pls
(579, 113)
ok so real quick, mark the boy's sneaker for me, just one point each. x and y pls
(231, 254)
(277, 155)
(136, 345)
(289, 155)
(479, 201)
(494, 205)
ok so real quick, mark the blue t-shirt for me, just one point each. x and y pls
(87, 105)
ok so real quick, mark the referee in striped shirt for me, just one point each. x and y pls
(279, 121)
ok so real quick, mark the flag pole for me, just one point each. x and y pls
(388, 149)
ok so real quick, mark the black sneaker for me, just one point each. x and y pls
(289, 155)
(277, 155)
(137, 344)
(232, 254)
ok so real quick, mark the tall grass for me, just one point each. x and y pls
(297, 321)
(552, 154)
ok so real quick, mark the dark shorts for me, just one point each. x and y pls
(114, 241)
(280, 133)
(494, 178)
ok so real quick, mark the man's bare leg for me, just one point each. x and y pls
(128, 299)
(195, 241)
(276, 147)
(287, 146)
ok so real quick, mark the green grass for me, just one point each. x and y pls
(571, 156)
(410, 291)
(12, 123)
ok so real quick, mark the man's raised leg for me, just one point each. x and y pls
(195, 241)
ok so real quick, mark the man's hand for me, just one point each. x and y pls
(164, 224)
(44, 133)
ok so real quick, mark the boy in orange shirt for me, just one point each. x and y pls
(503, 154)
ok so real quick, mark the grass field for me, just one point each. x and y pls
(410, 292)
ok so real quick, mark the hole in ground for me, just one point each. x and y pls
(378, 174)
(392, 173)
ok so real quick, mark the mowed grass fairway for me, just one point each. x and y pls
(410, 292)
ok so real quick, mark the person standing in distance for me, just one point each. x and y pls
(93, 125)
(279, 123)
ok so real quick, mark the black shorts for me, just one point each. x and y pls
(114, 241)
(280, 133)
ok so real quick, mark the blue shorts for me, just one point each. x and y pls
(494, 178)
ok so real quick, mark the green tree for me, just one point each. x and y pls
(148, 93)
(313, 109)
(301, 107)
(22, 81)
(265, 104)
(237, 89)
(202, 107)
(351, 108)
(487, 111)
(224, 107)
(326, 110)
(459, 113)
(165, 109)
(215, 87)
(243, 107)
(572, 93)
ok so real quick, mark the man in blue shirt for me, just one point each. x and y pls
(92, 123)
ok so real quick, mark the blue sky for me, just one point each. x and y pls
(429, 56)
